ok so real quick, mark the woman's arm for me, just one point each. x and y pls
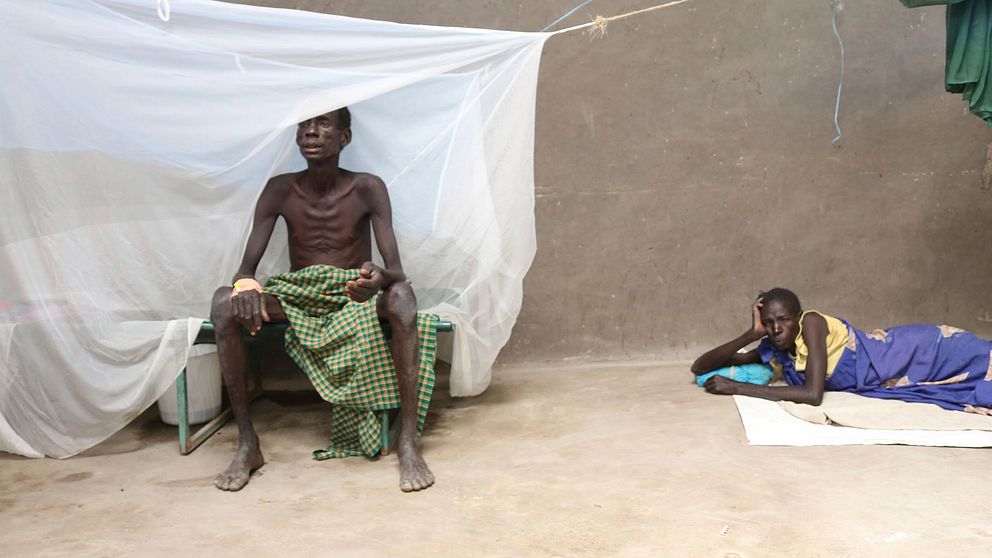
(726, 354)
(811, 392)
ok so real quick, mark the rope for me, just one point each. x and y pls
(837, 6)
(164, 10)
(566, 14)
(598, 25)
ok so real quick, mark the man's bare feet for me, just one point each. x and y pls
(414, 473)
(246, 459)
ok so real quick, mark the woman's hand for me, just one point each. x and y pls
(757, 328)
(719, 385)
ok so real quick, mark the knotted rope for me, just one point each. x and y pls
(597, 27)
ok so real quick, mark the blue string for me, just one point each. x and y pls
(840, 85)
(568, 13)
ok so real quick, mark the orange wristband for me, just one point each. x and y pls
(246, 284)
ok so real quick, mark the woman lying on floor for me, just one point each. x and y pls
(814, 352)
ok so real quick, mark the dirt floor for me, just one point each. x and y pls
(570, 460)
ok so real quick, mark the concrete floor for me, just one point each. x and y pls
(569, 460)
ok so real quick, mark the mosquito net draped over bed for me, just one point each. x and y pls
(132, 151)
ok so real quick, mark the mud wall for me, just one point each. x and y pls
(684, 162)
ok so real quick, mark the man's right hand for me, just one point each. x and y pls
(249, 308)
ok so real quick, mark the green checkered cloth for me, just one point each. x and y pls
(340, 345)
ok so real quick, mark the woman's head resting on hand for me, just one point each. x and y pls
(780, 312)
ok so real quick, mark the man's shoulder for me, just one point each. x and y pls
(275, 193)
(281, 182)
(369, 187)
(365, 180)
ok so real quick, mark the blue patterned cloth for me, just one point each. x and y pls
(923, 363)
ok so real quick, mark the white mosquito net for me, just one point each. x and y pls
(132, 151)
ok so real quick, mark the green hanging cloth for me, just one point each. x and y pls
(969, 51)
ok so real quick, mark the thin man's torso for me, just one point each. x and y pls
(332, 227)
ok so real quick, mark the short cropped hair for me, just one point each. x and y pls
(344, 118)
(785, 297)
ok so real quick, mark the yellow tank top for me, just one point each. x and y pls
(839, 337)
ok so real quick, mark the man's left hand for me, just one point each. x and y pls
(369, 282)
(721, 386)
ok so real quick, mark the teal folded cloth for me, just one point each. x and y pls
(748, 373)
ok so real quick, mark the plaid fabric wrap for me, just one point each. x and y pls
(339, 344)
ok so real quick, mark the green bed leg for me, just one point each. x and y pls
(183, 406)
(385, 433)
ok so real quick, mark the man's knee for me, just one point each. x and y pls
(399, 303)
(221, 312)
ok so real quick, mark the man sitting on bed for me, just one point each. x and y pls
(329, 212)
